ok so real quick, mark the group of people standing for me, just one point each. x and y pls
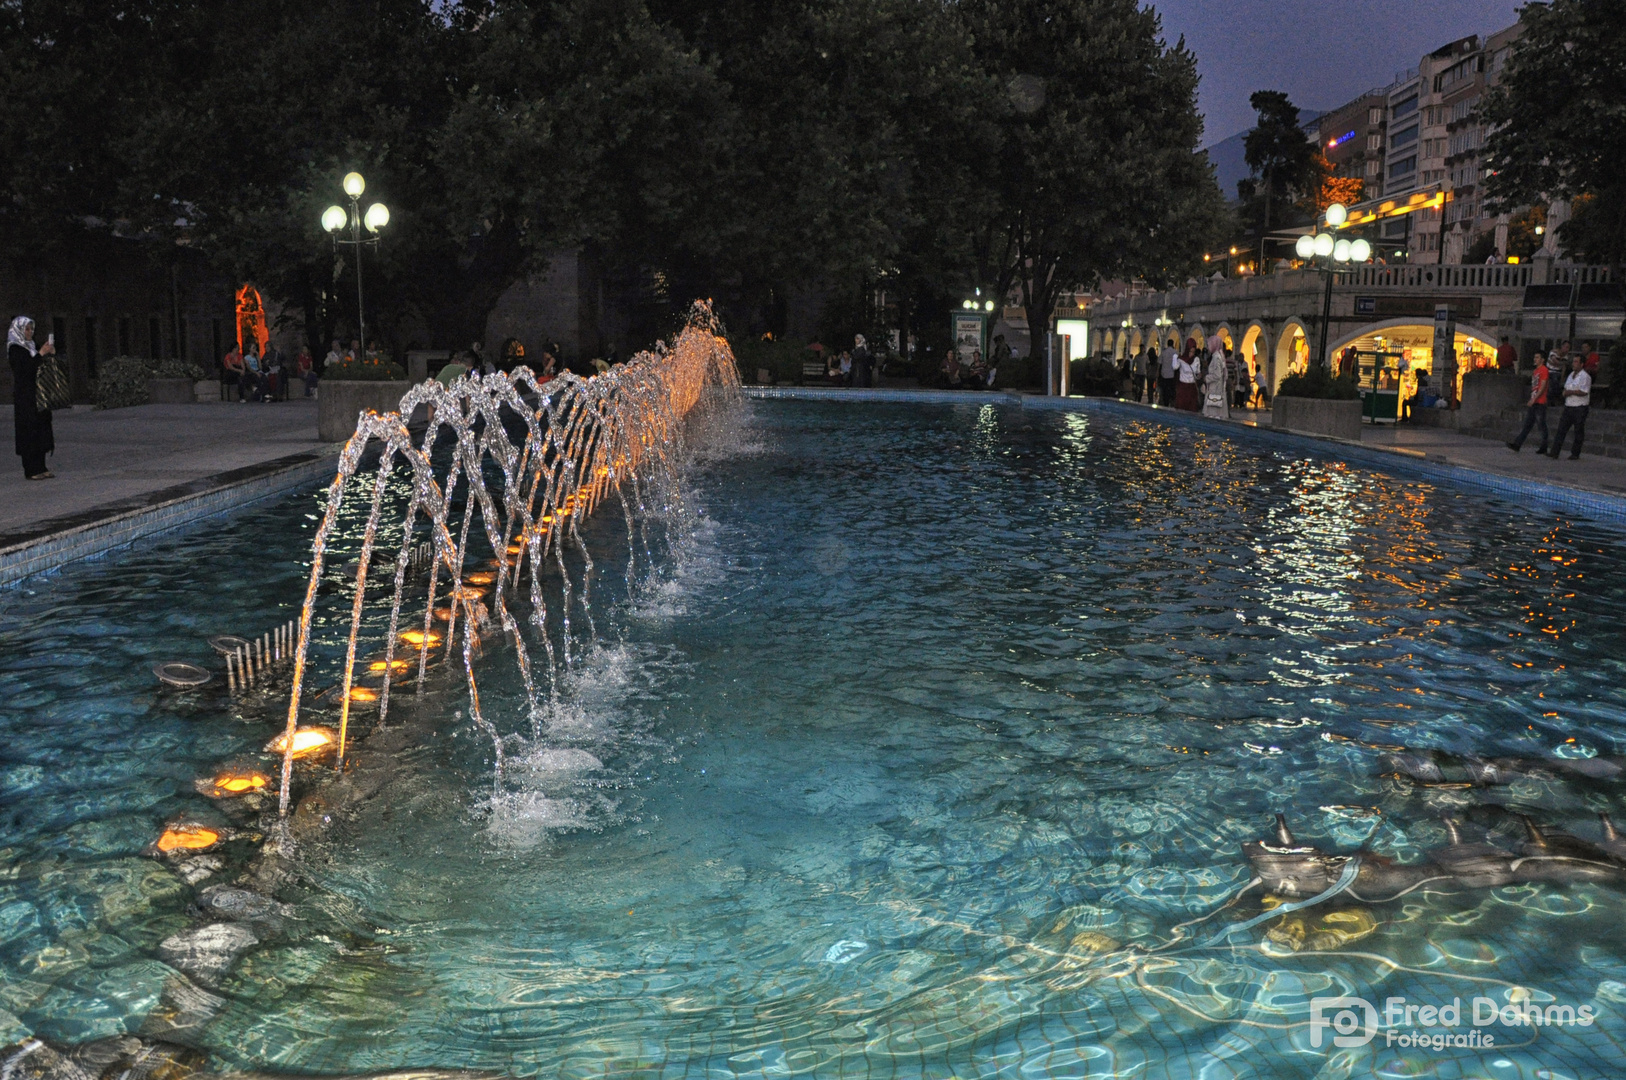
(1575, 394)
(1212, 383)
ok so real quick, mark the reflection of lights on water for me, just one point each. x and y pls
(308, 742)
(418, 638)
(516, 549)
(363, 693)
(480, 577)
(393, 665)
(229, 785)
(187, 838)
(443, 614)
(465, 593)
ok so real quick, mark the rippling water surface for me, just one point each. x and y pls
(937, 711)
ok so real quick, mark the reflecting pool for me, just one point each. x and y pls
(908, 762)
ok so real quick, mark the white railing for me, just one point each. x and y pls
(1443, 277)
(1481, 279)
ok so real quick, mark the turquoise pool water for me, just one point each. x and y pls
(937, 711)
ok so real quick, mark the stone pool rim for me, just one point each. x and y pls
(50, 545)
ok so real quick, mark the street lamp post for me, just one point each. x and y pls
(334, 219)
(1330, 256)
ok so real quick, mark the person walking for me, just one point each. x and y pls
(1166, 377)
(1137, 384)
(1577, 402)
(1261, 383)
(1542, 382)
(863, 362)
(34, 437)
(1216, 387)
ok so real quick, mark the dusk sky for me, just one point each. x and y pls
(1322, 53)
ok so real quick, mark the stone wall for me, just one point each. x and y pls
(107, 298)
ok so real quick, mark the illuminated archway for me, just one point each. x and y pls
(1292, 351)
(1464, 330)
(1250, 351)
(251, 319)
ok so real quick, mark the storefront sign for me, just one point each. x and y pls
(1423, 307)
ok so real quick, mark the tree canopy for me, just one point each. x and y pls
(1557, 122)
(741, 151)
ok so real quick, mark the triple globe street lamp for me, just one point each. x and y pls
(1331, 257)
(334, 218)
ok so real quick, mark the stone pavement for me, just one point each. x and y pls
(108, 462)
(1594, 472)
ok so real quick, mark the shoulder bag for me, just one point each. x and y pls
(51, 389)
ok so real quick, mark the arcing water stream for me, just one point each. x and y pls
(584, 440)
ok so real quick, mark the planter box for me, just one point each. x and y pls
(1486, 394)
(1316, 416)
(171, 392)
(339, 403)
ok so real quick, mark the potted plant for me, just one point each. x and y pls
(1316, 403)
(173, 382)
(351, 386)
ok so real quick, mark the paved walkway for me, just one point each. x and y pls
(111, 461)
(1592, 472)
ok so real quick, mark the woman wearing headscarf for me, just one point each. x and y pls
(1214, 386)
(1188, 371)
(34, 436)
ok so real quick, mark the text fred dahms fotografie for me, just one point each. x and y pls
(1353, 1021)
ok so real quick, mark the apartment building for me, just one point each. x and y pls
(1434, 143)
(1352, 137)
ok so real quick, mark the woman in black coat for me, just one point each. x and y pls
(34, 436)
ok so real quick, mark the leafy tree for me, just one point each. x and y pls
(237, 149)
(1557, 128)
(1096, 171)
(68, 102)
(1288, 168)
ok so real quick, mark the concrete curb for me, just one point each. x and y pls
(1397, 461)
(52, 544)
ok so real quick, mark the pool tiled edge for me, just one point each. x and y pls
(1594, 504)
(56, 543)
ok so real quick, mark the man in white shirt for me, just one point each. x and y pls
(1165, 375)
(1577, 402)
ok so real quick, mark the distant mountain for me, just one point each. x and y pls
(1229, 163)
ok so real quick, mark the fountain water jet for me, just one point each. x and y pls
(617, 433)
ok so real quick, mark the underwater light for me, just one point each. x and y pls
(229, 785)
(463, 592)
(393, 665)
(357, 693)
(516, 549)
(419, 638)
(308, 742)
(187, 837)
(479, 577)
